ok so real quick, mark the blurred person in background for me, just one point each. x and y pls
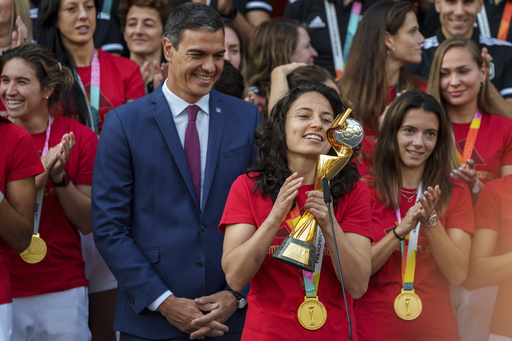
(142, 23)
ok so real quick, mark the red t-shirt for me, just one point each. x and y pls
(277, 290)
(374, 312)
(120, 80)
(63, 266)
(493, 211)
(18, 160)
(493, 145)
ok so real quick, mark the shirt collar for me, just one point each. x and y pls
(178, 105)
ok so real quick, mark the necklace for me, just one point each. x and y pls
(409, 195)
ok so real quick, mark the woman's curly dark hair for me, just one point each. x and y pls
(272, 163)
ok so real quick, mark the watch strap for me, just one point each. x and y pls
(239, 299)
(63, 183)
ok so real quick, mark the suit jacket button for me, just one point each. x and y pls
(203, 228)
(199, 265)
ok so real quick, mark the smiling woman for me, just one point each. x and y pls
(261, 209)
(142, 23)
(102, 82)
(51, 272)
(66, 27)
(414, 196)
(459, 80)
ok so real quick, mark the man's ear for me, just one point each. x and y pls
(168, 49)
(437, 5)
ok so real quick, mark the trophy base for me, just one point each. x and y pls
(296, 253)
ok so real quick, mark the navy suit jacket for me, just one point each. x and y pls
(147, 222)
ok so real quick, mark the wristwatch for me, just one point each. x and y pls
(63, 183)
(241, 301)
(433, 220)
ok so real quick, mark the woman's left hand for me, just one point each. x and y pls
(428, 203)
(466, 173)
(317, 207)
(67, 142)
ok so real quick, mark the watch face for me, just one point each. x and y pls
(432, 221)
(242, 303)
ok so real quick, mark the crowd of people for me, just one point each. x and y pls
(158, 156)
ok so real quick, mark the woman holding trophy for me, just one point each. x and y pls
(263, 206)
(422, 222)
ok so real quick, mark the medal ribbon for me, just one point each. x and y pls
(334, 34)
(505, 21)
(311, 279)
(40, 194)
(94, 101)
(409, 260)
(353, 22)
(471, 138)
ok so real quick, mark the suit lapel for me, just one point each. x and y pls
(165, 121)
(216, 126)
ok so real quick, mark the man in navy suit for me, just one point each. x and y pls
(155, 212)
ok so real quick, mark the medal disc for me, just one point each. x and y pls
(36, 251)
(312, 313)
(408, 305)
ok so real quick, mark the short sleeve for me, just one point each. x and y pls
(238, 205)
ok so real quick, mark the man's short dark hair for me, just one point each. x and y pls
(191, 16)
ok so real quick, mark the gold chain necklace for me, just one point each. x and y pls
(406, 194)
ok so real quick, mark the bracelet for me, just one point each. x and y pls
(1, 197)
(396, 234)
(476, 187)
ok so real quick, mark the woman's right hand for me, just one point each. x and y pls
(158, 73)
(19, 35)
(288, 192)
(409, 222)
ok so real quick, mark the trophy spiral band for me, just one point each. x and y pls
(298, 249)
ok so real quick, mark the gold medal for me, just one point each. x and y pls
(312, 313)
(36, 251)
(408, 305)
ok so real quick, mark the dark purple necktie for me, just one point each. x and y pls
(192, 150)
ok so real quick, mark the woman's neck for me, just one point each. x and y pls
(141, 59)
(462, 113)
(81, 54)
(306, 168)
(411, 177)
(36, 124)
(392, 71)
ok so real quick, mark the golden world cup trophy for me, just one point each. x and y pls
(298, 249)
